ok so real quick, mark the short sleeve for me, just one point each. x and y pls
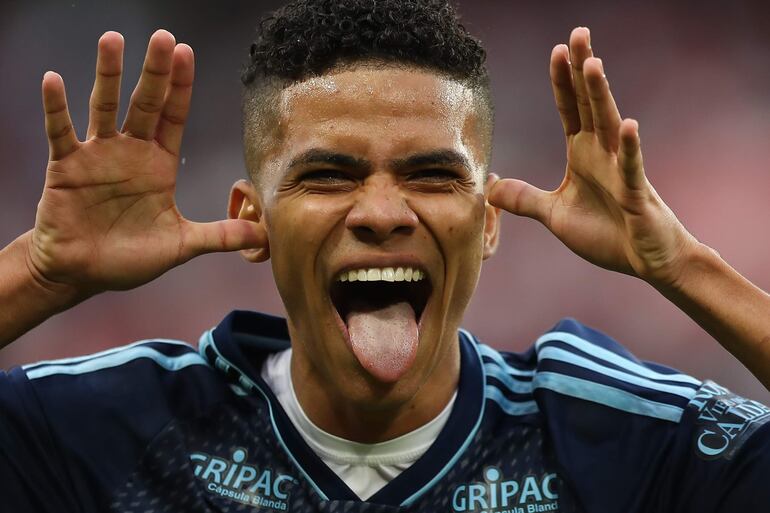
(33, 474)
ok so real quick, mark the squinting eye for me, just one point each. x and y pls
(434, 175)
(325, 176)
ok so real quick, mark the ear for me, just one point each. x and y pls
(245, 204)
(491, 220)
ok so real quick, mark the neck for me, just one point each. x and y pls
(382, 412)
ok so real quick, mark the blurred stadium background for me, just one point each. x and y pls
(696, 75)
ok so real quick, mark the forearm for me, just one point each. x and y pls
(27, 300)
(728, 306)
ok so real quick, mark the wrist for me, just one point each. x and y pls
(26, 297)
(695, 261)
(53, 296)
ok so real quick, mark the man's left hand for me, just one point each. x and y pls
(605, 210)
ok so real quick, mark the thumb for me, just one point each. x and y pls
(520, 198)
(221, 236)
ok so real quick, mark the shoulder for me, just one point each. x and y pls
(161, 353)
(579, 362)
(145, 384)
(137, 366)
(574, 367)
(75, 412)
(573, 362)
(624, 430)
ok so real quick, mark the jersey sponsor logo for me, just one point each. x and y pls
(496, 494)
(725, 421)
(238, 480)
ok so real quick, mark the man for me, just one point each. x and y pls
(367, 128)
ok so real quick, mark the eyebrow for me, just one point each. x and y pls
(319, 156)
(443, 157)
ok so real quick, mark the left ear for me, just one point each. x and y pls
(491, 220)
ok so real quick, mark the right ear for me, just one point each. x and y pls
(245, 204)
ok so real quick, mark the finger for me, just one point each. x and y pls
(62, 139)
(147, 99)
(563, 90)
(220, 236)
(105, 97)
(580, 50)
(630, 154)
(603, 109)
(520, 198)
(177, 104)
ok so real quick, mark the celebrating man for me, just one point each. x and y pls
(367, 131)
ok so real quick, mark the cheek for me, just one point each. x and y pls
(461, 225)
(462, 229)
(299, 228)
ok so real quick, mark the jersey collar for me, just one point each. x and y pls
(238, 347)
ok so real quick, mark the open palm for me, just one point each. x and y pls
(605, 210)
(108, 217)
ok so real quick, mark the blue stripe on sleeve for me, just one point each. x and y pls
(514, 385)
(609, 356)
(116, 359)
(77, 359)
(510, 407)
(606, 395)
(556, 353)
(487, 351)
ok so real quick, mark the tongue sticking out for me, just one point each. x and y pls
(384, 339)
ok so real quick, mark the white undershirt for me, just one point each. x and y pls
(365, 468)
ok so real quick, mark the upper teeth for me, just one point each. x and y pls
(383, 274)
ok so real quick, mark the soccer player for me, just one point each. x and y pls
(367, 129)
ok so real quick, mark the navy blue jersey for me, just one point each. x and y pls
(574, 424)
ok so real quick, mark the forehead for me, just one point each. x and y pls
(380, 111)
(374, 90)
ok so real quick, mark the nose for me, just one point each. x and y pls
(380, 211)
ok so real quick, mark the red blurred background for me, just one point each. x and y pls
(696, 76)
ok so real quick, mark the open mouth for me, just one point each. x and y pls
(379, 311)
(374, 289)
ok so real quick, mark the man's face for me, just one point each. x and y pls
(376, 173)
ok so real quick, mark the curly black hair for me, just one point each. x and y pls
(308, 38)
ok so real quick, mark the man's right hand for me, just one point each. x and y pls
(108, 219)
